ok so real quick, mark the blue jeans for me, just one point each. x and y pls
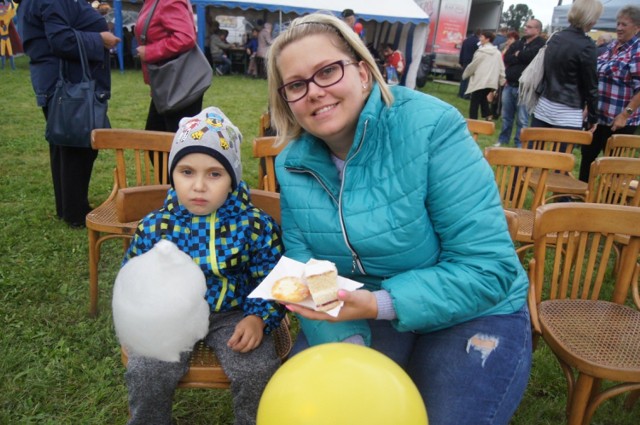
(509, 108)
(223, 63)
(473, 373)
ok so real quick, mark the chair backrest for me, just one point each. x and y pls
(513, 169)
(135, 153)
(623, 145)
(614, 181)
(477, 127)
(265, 149)
(268, 202)
(133, 203)
(265, 124)
(553, 139)
(574, 252)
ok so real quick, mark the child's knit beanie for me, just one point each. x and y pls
(212, 133)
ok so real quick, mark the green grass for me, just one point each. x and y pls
(59, 366)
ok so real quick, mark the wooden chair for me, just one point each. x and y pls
(623, 145)
(579, 314)
(265, 149)
(265, 124)
(477, 127)
(513, 170)
(614, 181)
(116, 217)
(204, 368)
(512, 223)
(553, 139)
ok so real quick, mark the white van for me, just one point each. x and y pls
(238, 27)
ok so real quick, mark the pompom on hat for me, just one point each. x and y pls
(212, 133)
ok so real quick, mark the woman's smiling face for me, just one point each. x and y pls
(329, 113)
(625, 29)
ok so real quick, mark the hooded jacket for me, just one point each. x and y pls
(417, 213)
(236, 247)
(486, 70)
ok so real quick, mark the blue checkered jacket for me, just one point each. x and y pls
(246, 246)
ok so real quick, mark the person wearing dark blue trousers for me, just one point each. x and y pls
(469, 47)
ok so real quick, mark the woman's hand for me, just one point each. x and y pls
(109, 40)
(360, 304)
(620, 121)
(141, 52)
(247, 335)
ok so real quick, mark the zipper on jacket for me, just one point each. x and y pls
(356, 264)
(213, 260)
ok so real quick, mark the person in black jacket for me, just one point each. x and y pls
(516, 59)
(48, 38)
(570, 84)
(469, 47)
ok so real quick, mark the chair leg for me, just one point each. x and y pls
(631, 400)
(94, 258)
(580, 399)
(125, 244)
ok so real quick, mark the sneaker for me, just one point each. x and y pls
(497, 145)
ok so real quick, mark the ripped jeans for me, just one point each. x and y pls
(474, 373)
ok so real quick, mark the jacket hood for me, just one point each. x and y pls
(488, 49)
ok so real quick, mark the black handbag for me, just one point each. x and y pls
(178, 82)
(75, 109)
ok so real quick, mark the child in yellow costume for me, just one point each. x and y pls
(7, 12)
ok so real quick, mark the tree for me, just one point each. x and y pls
(516, 16)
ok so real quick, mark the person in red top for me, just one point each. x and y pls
(394, 59)
(171, 32)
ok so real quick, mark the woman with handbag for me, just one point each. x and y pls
(169, 32)
(53, 31)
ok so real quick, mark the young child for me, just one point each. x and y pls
(209, 216)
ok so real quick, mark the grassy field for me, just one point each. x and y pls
(58, 366)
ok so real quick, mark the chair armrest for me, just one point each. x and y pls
(532, 299)
(133, 203)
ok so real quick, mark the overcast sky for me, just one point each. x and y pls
(542, 9)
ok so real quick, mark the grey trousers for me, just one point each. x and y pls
(151, 383)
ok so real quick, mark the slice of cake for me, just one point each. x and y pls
(322, 279)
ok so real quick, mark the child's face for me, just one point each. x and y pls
(201, 182)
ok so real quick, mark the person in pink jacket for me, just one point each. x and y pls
(171, 32)
(264, 41)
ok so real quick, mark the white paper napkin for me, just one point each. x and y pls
(288, 267)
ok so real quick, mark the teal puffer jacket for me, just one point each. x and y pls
(417, 213)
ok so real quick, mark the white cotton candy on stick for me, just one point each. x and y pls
(158, 303)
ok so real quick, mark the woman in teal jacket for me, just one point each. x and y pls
(389, 185)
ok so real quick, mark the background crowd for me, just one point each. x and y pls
(586, 85)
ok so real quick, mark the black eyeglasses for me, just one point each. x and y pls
(325, 77)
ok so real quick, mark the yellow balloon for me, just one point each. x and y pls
(341, 384)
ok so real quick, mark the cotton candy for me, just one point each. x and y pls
(158, 304)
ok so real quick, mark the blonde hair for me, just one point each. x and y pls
(584, 14)
(343, 37)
